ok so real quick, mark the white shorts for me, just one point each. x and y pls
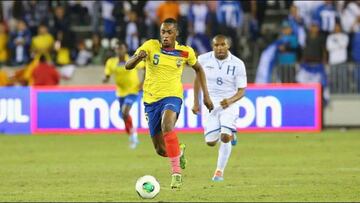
(220, 121)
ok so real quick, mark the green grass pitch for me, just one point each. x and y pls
(263, 167)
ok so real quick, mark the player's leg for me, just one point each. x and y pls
(227, 121)
(159, 144)
(211, 127)
(153, 117)
(171, 109)
(130, 129)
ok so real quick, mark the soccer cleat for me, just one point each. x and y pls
(234, 140)
(176, 181)
(183, 160)
(218, 176)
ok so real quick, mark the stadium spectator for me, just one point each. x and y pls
(95, 15)
(128, 86)
(107, 9)
(230, 18)
(287, 49)
(80, 11)
(36, 13)
(336, 44)
(183, 21)
(121, 8)
(306, 10)
(168, 9)
(43, 42)
(137, 7)
(220, 124)
(312, 69)
(97, 50)
(286, 54)
(297, 25)
(3, 44)
(199, 42)
(212, 5)
(83, 56)
(61, 20)
(350, 15)
(355, 52)
(152, 28)
(355, 44)
(257, 9)
(62, 47)
(314, 50)
(326, 14)
(163, 91)
(132, 33)
(19, 44)
(45, 74)
(198, 17)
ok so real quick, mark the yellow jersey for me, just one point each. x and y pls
(43, 44)
(127, 81)
(164, 69)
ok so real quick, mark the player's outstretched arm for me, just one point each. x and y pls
(238, 95)
(200, 77)
(196, 107)
(133, 61)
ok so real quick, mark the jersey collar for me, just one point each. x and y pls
(176, 45)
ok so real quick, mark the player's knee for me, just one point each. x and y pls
(225, 138)
(166, 127)
(211, 144)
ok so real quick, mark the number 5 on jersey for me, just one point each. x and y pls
(156, 59)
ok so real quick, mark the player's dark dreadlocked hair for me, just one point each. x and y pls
(171, 21)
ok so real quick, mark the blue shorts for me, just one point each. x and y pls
(154, 111)
(127, 100)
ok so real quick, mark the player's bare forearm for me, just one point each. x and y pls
(133, 61)
(196, 89)
(200, 77)
(238, 95)
(196, 107)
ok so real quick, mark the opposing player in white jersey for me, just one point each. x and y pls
(226, 82)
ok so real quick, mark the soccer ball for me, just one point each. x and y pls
(147, 187)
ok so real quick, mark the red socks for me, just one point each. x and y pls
(173, 151)
(128, 125)
(172, 144)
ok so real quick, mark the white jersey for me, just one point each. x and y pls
(223, 77)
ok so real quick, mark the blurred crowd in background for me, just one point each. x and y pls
(73, 33)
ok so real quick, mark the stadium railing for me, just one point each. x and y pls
(342, 78)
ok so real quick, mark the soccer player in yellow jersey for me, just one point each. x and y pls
(128, 86)
(163, 91)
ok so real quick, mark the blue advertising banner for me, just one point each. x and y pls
(23, 110)
(15, 110)
(96, 109)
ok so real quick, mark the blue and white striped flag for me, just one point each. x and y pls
(266, 63)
